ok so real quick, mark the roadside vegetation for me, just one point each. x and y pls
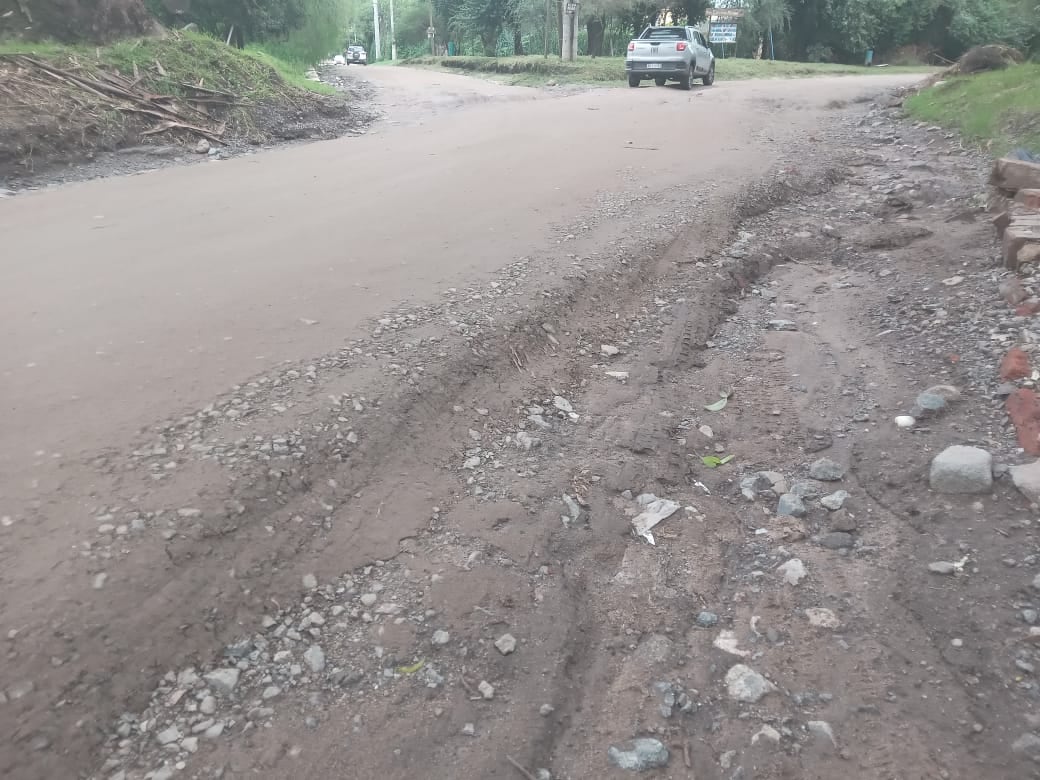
(63, 102)
(603, 71)
(999, 109)
(185, 57)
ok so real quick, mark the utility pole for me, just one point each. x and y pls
(375, 24)
(393, 37)
(547, 29)
(569, 44)
(432, 33)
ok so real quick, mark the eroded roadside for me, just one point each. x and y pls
(447, 486)
(521, 622)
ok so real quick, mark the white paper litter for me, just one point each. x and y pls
(653, 513)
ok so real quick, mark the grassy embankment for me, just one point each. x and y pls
(185, 57)
(602, 71)
(999, 109)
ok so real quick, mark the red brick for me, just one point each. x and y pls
(1029, 198)
(1015, 365)
(1023, 407)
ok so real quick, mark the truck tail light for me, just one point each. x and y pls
(680, 46)
(631, 47)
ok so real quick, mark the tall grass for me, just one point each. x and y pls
(1000, 109)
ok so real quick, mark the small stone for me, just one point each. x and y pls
(745, 684)
(168, 736)
(441, 637)
(841, 520)
(609, 350)
(215, 730)
(835, 501)
(962, 470)
(487, 690)
(942, 567)
(208, 705)
(563, 404)
(793, 571)
(20, 690)
(822, 618)
(826, 470)
(639, 755)
(1027, 479)
(807, 490)
(202, 147)
(930, 403)
(190, 744)
(823, 730)
(222, 680)
(1028, 745)
(790, 505)
(707, 619)
(310, 582)
(905, 421)
(546, 710)
(368, 599)
(781, 325)
(270, 692)
(469, 730)
(766, 734)
(506, 644)
(1030, 616)
(99, 581)
(314, 656)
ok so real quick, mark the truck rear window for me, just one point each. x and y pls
(665, 34)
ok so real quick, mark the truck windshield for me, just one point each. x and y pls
(664, 34)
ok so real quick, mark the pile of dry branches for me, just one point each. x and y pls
(26, 82)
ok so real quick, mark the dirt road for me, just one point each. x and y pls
(287, 441)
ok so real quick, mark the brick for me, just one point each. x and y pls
(1015, 365)
(1021, 242)
(1015, 175)
(1023, 406)
(1029, 198)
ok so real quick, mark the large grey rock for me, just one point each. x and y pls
(826, 470)
(745, 684)
(835, 501)
(962, 470)
(222, 680)
(639, 754)
(1027, 479)
(790, 505)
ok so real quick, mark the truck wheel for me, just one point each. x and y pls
(633, 81)
(709, 77)
(686, 80)
(659, 81)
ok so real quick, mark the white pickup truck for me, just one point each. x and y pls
(670, 53)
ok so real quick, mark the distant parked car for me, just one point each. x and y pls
(670, 53)
(356, 55)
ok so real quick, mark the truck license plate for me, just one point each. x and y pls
(653, 65)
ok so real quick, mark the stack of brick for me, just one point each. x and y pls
(1018, 227)
(1018, 224)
